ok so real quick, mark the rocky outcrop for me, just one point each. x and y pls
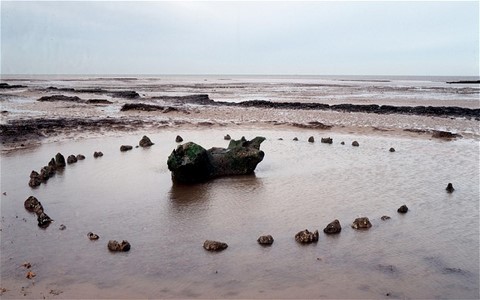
(327, 140)
(361, 223)
(265, 240)
(402, 209)
(191, 163)
(306, 237)
(449, 188)
(145, 142)
(124, 148)
(214, 245)
(5, 85)
(115, 246)
(56, 98)
(333, 228)
(98, 101)
(151, 107)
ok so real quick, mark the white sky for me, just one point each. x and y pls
(318, 38)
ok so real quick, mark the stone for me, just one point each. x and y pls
(92, 236)
(361, 223)
(392, 149)
(80, 157)
(295, 139)
(145, 142)
(311, 139)
(33, 205)
(43, 220)
(60, 160)
(449, 188)
(191, 163)
(97, 154)
(178, 139)
(355, 144)
(227, 137)
(35, 179)
(214, 245)
(333, 228)
(46, 172)
(327, 140)
(306, 237)
(62, 227)
(124, 148)
(444, 135)
(265, 240)
(52, 163)
(342, 143)
(71, 159)
(385, 218)
(402, 209)
(115, 246)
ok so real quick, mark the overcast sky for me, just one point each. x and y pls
(318, 38)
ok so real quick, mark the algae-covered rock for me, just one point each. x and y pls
(190, 163)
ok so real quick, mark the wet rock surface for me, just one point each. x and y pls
(306, 237)
(115, 246)
(333, 228)
(145, 142)
(55, 98)
(265, 240)
(214, 246)
(191, 163)
(361, 223)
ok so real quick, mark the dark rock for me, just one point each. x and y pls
(98, 101)
(327, 140)
(201, 99)
(60, 160)
(214, 245)
(312, 125)
(71, 159)
(46, 172)
(227, 137)
(280, 139)
(342, 143)
(150, 107)
(385, 218)
(97, 154)
(52, 163)
(43, 220)
(361, 223)
(80, 157)
(444, 135)
(145, 142)
(355, 144)
(118, 247)
(55, 98)
(265, 240)
(295, 139)
(92, 236)
(464, 82)
(449, 188)
(306, 237)
(124, 148)
(402, 209)
(392, 149)
(11, 86)
(191, 163)
(333, 228)
(35, 179)
(62, 227)
(311, 139)
(126, 94)
(178, 139)
(33, 205)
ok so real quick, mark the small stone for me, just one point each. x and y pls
(214, 245)
(265, 240)
(385, 218)
(124, 148)
(71, 159)
(295, 139)
(306, 237)
(333, 228)
(60, 160)
(178, 139)
(92, 236)
(280, 139)
(33, 205)
(145, 142)
(402, 209)
(392, 149)
(43, 220)
(449, 188)
(62, 227)
(35, 179)
(115, 246)
(361, 223)
(80, 157)
(30, 275)
(355, 144)
(27, 265)
(342, 143)
(327, 140)
(311, 139)
(97, 154)
(227, 137)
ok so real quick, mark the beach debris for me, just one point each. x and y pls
(446, 135)
(295, 139)
(311, 139)
(97, 154)
(227, 137)
(92, 236)
(30, 275)
(124, 148)
(191, 163)
(178, 139)
(327, 140)
(449, 188)
(27, 265)
(145, 142)
(342, 143)
(71, 159)
(62, 227)
(35, 179)
(115, 246)
(306, 237)
(402, 209)
(392, 149)
(80, 157)
(333, 228)
(355, 144)
(214, 245)
(385, 218)
(361, 223)
(60, 160)
(265, 240)
(56, 292)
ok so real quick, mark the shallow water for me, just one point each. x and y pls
(430, 252)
